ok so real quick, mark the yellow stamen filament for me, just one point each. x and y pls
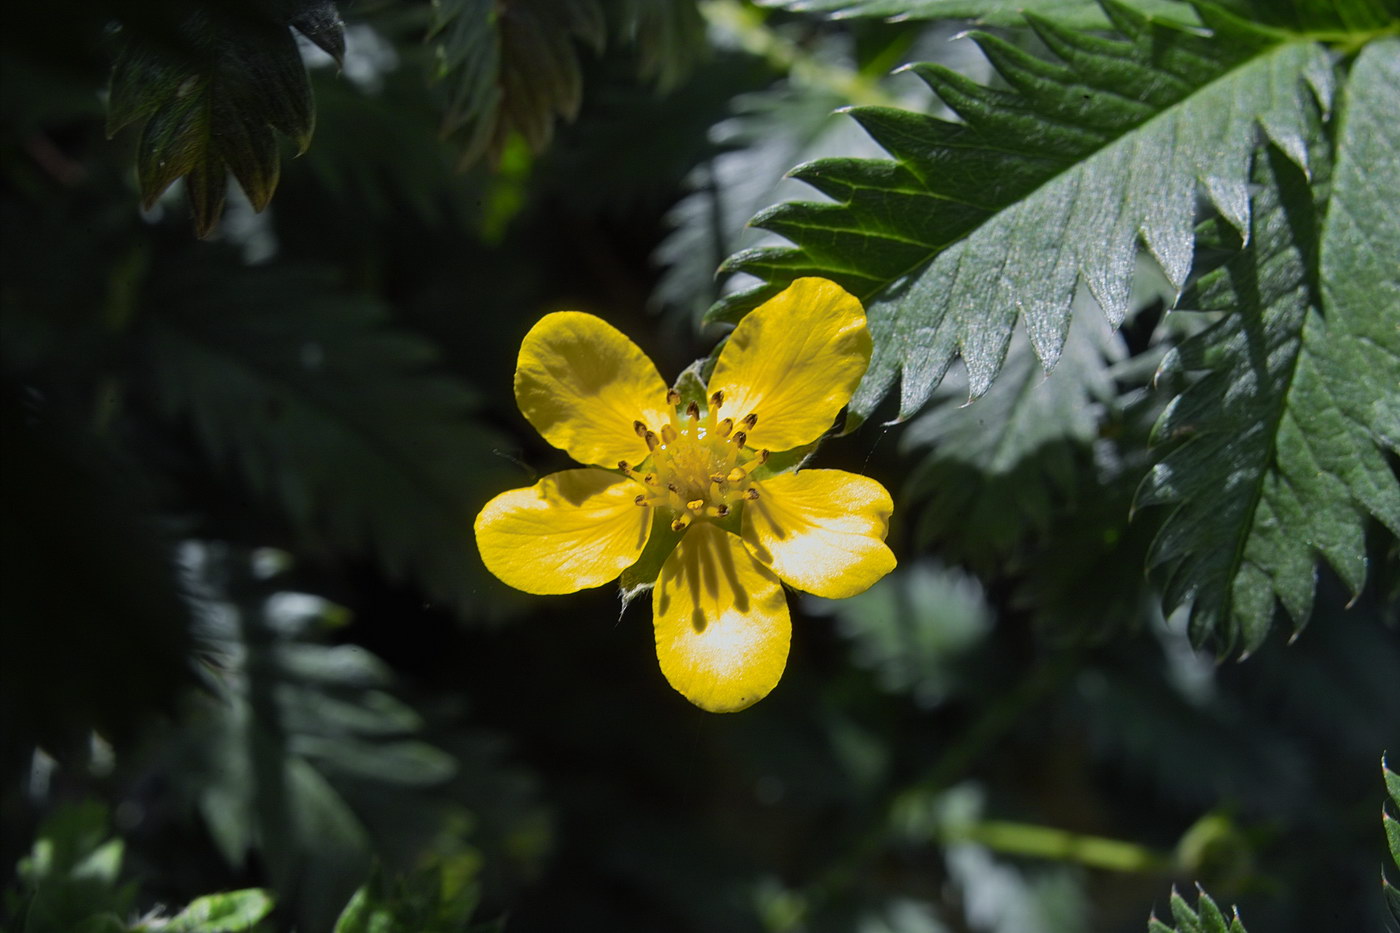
(699, 464)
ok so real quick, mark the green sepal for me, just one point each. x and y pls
(641, 576)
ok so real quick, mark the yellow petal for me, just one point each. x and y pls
(822, 531)
(571, 530)
(794, 362)
(583, 385)
(722, 627)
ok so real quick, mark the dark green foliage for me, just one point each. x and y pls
(1291, 468)
(512, 67)
(253, 676)
(275, 368)
(213, 104)
(83, 566)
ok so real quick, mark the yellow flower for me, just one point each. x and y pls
(698, 470)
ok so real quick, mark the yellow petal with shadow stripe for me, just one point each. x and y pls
(722, 626)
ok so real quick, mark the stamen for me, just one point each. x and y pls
(649, 479)
(751, 493)
(725, 426)
(750, 420)
(673, 398)
(763, 455)
(640, 428)
(717, 399)
(652, 440)
(668, 434)
(740, 439)
(722, 510)
(672, 487)
(716, 477)
(680, 523)
(736, 475)
(695, 505)
(693, 411)
(641, 499)
(624, 466)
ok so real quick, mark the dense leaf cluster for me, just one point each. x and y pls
(1132, 273)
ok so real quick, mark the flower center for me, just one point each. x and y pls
(699, 465)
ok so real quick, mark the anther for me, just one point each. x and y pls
(649, 479)
(751, 493)
(673, 398)
(716, 477)
(652, 440)
(640, 428)
(736, 475)
(624, 466)
(750, 420)
(693, 411)
(725, 427)
(672, 487)
(722, 510)
(695, 505)
(668, 434)
(717, 399)
(763, 455)
(740, 439)
(680, 523)
(641, 499)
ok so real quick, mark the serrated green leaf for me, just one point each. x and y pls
(1206, 918)
(669, 36)
(1079, 13)
(277, 368)
(1212, 920)
(1185, 917)
(216, 110)
(1052, 183)
(222, 913)
(510, 67)
(1280, 464)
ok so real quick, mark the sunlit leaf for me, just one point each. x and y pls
(1081, 13)
(228, 912)
(1049, 184)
